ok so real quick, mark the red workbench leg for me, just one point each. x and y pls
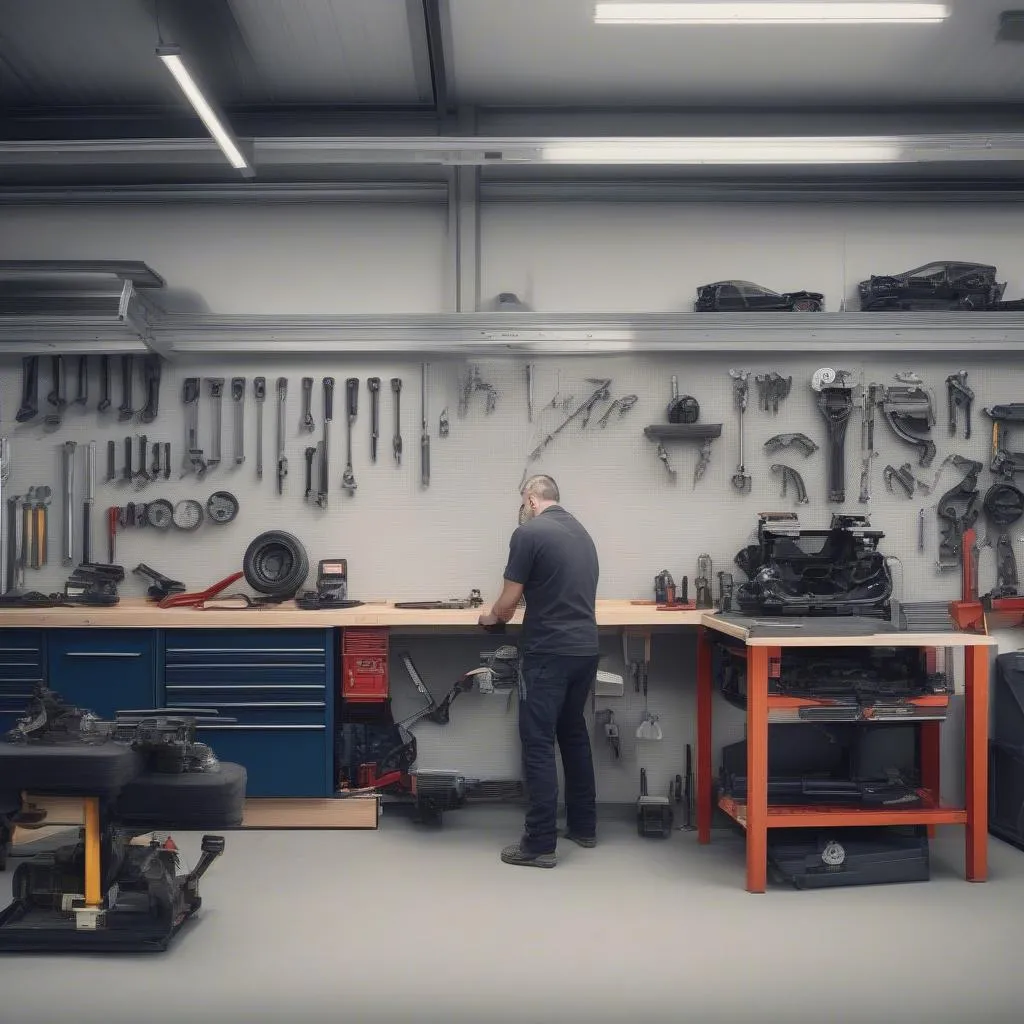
(931, 761)
(976, 758)
(705, 809)
(757, 767)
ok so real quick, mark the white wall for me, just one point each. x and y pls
(403, 542)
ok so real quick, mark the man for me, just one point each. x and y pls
(553, 563)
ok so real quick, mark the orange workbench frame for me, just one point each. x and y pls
(757, 816)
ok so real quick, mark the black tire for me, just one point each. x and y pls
(194, 800)
(101, 770)
(1004, 504)
(276, 564)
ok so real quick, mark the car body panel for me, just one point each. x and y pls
(746, 296)
(941, 284)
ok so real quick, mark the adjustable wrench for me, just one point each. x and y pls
(90, 497)
(396, 443)
(424, 430)
(324, 484)
(29, 407)
(373, 383)
(282, 461)
(259, 392)
(348, 480)
(307, 423)
(69, 488)
(217, 394)
(104, 403)
(127, 410)
(310, 455)
(238, 397)
(57, 396)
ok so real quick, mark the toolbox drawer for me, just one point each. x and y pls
(22, 667)
(103, 670)
(257, 657)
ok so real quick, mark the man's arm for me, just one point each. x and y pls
(505, 607)
(517, 572)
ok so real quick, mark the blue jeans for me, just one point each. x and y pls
(553, 694)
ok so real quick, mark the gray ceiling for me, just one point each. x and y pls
(373, 53)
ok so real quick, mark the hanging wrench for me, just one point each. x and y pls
(307, 423)
(348, 480)
(82, 385)
(373, 383)
(282, 461)
(193, 453)
(325, 445)
(740, 388)
(259, 392)
(90, 497)
(424, 430)
(111, 461)
(310, 455)
(104, 403)
(238, 397)
(127, 410)
(396, 442)
(57, 396)
(217, 394)
(69, 496)
(29, 407)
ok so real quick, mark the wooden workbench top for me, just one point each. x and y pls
(787, 633)
(138, 613)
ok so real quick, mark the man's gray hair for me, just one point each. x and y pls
(542, 487)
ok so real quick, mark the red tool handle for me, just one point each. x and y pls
(190, 600)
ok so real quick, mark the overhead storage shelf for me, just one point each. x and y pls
(592, 333)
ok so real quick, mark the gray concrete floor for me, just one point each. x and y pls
(410, 925)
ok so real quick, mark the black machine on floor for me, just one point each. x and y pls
(117, 887)
(374, 753)
(838, 571)
(1006, 751)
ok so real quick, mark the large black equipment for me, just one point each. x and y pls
(1006, 751)
(838, 571)
(331, 587)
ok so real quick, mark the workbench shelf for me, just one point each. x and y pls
(755, 815)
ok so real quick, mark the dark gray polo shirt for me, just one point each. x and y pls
(555, 560)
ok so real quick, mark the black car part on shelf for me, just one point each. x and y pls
(745, 296)
(838, 571)
(940, 285)
(276, 564)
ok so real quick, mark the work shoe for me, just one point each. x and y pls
(514, 855)
(587, 842)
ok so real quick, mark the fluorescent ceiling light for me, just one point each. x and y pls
(867, 12)
(171, 56)
(797, 150)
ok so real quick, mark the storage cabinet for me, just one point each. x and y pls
(104, 670)
(275, 687)
(22, 666)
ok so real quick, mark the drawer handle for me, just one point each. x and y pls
(268, 704)
(246, 650)
(245, 686)
(103, 654)
(247, 666)
(276, 728)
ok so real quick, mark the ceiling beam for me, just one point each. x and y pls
(433, 18)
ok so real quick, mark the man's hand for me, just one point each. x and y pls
(487, 619)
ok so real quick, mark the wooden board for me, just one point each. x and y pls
(355, 812)
(138, 613)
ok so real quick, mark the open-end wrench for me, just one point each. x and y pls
(259, 392)
(324, 484)
(57, 396)
(29, 407)
(111, 461)
(167, 460)
(142, 473)
(82, 381)
(126, 470)
(396, 443)
(127, 409)
(424, 429)
(217, 394)
(238, 397)
(282, 461)
(90, 497)
(373, 383)
(348, 479)
(104, 403)
(310, 455)
(69, 496)
(154, 469)
(306, 422)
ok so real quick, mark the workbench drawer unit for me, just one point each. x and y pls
(22, 666)
(103, 670)
(277, 685)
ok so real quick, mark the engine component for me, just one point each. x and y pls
(772, 388)
(835, 402)
(909, 411)
(1003, 504)
(741, 480)
(791, 476)
(801, 442)
(956, 511)
(1005, 463)
(960, 397)
(904, 476)
(838, 571)
(276, 564)
(221, 507)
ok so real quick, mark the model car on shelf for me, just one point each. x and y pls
(947, 284)
(744, 296)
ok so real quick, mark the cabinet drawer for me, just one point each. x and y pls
(285, 761)
(22, 668)
(245, 675)
(254, 712)
(247, 644)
